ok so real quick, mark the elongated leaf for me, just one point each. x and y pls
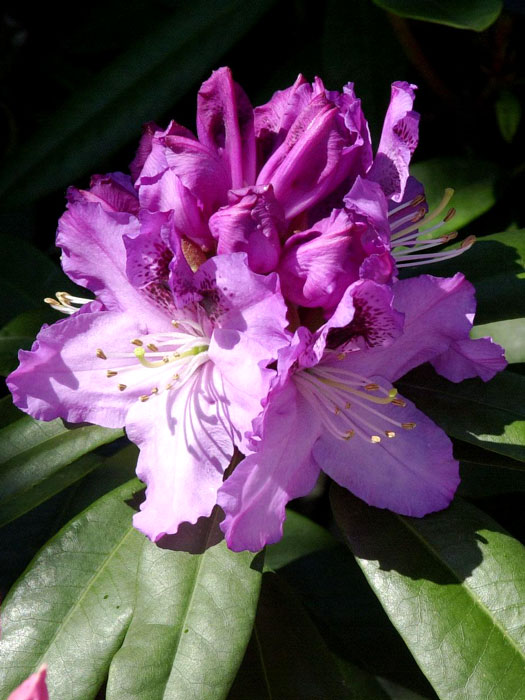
(8, 411)
(496, 267)
(99, 594)
(36, 461)
(473, 182)
(485, 473)
(138, 87)
(27, 276)
(508, 114)
(299, 665)
(19, 334)
(509, 334)
(467, 14)
(490, 415)
(452, 583)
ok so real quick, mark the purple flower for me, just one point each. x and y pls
(178, 358)
(333, 407)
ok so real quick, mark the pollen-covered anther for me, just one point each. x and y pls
(66, 303)
(144, 397)
(399, 402)
(101, 354)
(137, 341)
(390, 433)
(111, 373)
(122, 387)
(375, 439)
(152, 347)
(155, 390)
(408, 426)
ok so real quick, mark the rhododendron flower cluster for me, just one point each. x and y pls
(246, 298)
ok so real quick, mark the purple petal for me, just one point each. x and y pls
(398, 142)
(225, 124)
(115, 192)
(251, 223)
(255, 495)
(438, 311)
(64, 377)
(186, 443)
(151, 131)
(412, 473)
(471, 358)
(94, 256)
(33, 688)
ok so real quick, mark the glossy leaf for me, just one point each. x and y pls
(509, 334)
(286, 657)
(19, 334)
(496, 267)
(36, 461)
(490, 415)
(99, 596)
(139, 86)
(452, 583)
(485, 473)
(467, 14)
(27, 276)
(473, 182)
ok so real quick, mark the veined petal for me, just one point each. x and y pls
(65, 375)
(412, 472)
(467, 358)
(225, 124)
(255, 495)
(115, 192)
(398, 142)
(94, 256)
(186, 442)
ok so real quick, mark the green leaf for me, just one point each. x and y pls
(286, 657)
(486, 473)
(473, 182)
(496, 267)
(490, 415)
(509, 334)
(139, 86)
(99, 596)
(8, 411)
(508, 113)
(27, 276)
(36, 461)
(19, 334)
(467, 14)
(301, 536)
(452, 583)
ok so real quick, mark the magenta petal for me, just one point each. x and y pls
(251, 223)
(398, 142)
(115, 192)
(186, 443)
(471, 358)
(62, 376)
(33, 688)
(255, 495)
(412, 473)
(225, 124)
(94, 256)
(150, 133)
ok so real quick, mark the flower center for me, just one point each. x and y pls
(350, 404)
(159, 362)
(410, 245)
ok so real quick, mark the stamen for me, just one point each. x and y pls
(152, 347)
(137, 341)
(111, 373)
(399, 402)
(408, 426)
(122, 387)
(375, 438)
(349, 434)
(144, 397)
(101, 354)
(427, 258)
(390, 433)
(417, 200)
(67, 303)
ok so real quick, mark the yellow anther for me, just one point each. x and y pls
(375, 439)
(121, 387)
(155, 390)
(175, 324)
(101, 354)
(390, 433)
(111, 373)
(144, 397)
(408, 426)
